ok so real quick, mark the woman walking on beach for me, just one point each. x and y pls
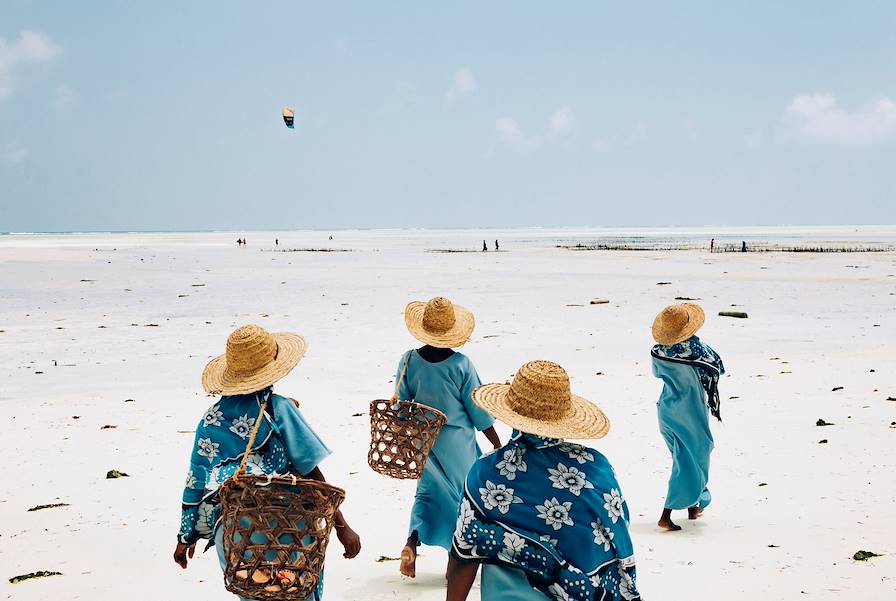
(436, 376)
(690, 371)
(546, 516)
(284, 443)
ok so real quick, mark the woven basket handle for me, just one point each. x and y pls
(404, 373)
(242, 469)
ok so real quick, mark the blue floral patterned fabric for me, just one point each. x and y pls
(705, 361)
(284, 443)
(553, 509)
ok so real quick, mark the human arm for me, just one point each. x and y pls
(461, 575)
(492, 437)
(350, 540)
(194, 489)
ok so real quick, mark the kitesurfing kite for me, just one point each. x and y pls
(289, 117)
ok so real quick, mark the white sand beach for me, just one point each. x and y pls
(115, 330)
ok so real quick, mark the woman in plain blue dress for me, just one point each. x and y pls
(436, 376)
(690, 371)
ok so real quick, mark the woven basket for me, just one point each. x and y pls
(276, 531)
(401, 436)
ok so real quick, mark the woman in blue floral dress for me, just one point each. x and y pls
(285, 443)
(436, 376)
(546, 517)
(690, 370)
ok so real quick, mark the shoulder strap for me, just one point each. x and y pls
(403, 376)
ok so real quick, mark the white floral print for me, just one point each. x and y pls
(577, 452)
(570, 478)
(613, 504)
(498, 496)
(554, 513)
(558, 593)
(191, 479)
(513, 544)
(627, 588)
(547, 539)
(204, 522)
(241, 426)
(602, 536)
(213, 416)
(207, 449)
(513, 462)
(255, 464)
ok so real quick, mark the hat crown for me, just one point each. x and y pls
(250, 348)
(675, 317)
(438, 315)
(540, 390)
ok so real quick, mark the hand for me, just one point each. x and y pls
(181, 552)
(350, 540)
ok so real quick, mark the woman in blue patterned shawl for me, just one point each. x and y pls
(285, 443)
(546, 517)
(690, 371)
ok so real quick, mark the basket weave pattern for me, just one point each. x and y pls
(401, 436)
(276, 532)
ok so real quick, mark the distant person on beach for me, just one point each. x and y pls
(239, 241)
(436, 376)
(546, 517)
(284, 442)
(712, 245)
(276, 241)
(690, 370)
(497, 246)
(743, 246)
(484, 246)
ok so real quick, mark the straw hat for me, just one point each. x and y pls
(439, 323)
(677, 323)
(539, 401)
(254, 360)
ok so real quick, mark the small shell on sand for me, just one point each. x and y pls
(261, 576)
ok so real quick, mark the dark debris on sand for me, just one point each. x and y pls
(48, 506)
(31, 575)
(822, 422)
(111, 474)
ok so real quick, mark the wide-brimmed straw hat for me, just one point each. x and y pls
(677, 323)
(539, 401)
(254, 360)
(439, 322)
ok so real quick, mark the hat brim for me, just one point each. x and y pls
(585, 420)
(218, 380)
(667, 337)
(456, 337)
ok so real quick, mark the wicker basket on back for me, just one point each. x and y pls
(276, 531)
(402, 434)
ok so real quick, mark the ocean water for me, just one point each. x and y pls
(672, 238)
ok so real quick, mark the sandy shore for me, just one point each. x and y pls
(119, 337)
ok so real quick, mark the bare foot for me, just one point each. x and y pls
(408, 564)
(667, 524)
(694, 512)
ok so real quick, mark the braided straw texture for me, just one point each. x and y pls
(677, 323)
(254, 360)
(401, 436)
(439, 323)
(539, 401)
(295, 518)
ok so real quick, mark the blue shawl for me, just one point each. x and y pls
(705, 361)
(553, 509)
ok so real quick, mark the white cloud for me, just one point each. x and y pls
(463, 85)
(31, 47)
(819, 118)
(510, 133)
(562, 122)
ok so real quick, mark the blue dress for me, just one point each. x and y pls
(285, 443)
(684, 424)
(446, 386)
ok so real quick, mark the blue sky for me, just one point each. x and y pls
(166, 115)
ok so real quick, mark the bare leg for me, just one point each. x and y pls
(408, 565)
(666, 521)
(694, 512)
